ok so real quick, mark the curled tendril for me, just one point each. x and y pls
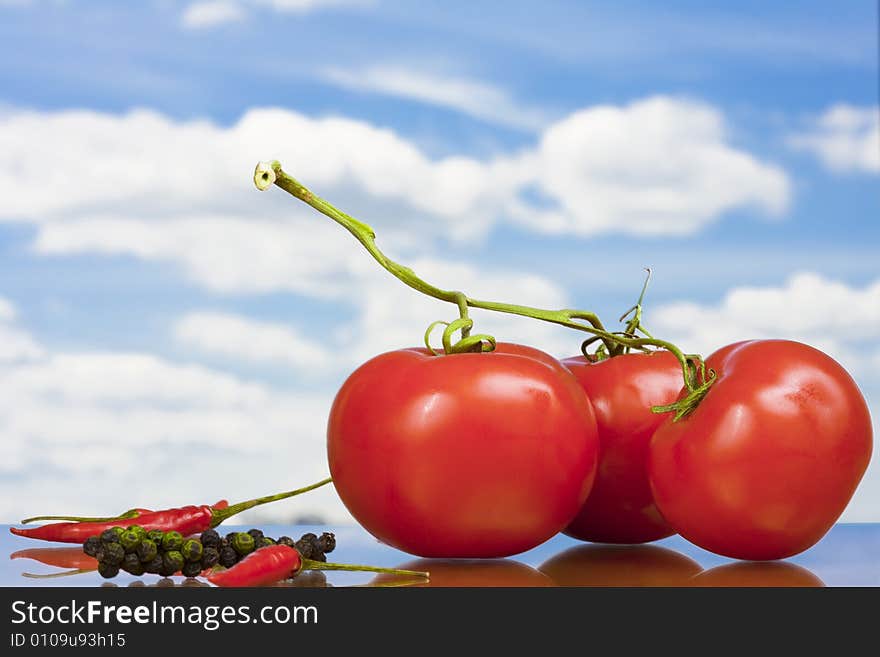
(466, 344)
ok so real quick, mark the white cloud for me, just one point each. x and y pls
(129, 420)
(842, 320)
(223, 254)
(210, 13)
(471, 97)
(845, 138)
(141, 426)
(809, 307)
(200, 15)
(246, 339)
(15, 344)
(657, 166)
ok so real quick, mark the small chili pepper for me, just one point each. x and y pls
(125, 515)
(279, 562)
(64, 557)
(187, 520)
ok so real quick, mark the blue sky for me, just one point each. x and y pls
(150, 299)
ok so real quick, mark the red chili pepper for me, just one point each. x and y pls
(58, 557)
(275, 563)
(126, 515)
(187, 520)
(267, 565)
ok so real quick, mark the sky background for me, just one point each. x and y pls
(170, 335)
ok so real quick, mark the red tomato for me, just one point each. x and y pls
(620, 565)
(467, 455)
(620, 508)
(770, 457)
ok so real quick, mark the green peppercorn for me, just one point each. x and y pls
(327, 542)
(113, 554)
(172, 562)
(172, 542)
(286, 540)
(228, 557)
(192, 550)
(257, 534)
(107, 570)
(156, 535)
(110, 535)
(137, 529)
(129, 540)
(210, 538)
(191, 569)
(242, 543)
(92, 546)
(131, 564)
(156, 565)
(210, 557)
(147, 550)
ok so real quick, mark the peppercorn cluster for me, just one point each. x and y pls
(137, 551)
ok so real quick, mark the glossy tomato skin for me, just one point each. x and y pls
(467, 455)
(620, 508)
(769, 459)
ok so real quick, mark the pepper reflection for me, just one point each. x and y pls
(620, 565)
(71, 558)
(758, 573)
(472, 573)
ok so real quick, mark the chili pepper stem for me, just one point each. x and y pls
(131, 513)
(219, 515)
(268, 173)
(65, 573)
(308, 564)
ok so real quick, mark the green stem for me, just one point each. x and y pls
(131, 513)
(309, 564)
(219, 515)
(269, 173)
(65, 573)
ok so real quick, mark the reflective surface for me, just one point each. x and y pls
(848, 556)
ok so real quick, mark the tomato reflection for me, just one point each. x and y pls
(758, 573)
(469, 573)
(620, 565)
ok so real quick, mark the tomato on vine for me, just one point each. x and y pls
(462, 455)
(623, 389)
(756, 457)
(769, 458)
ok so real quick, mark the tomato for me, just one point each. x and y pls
(494, 573)
(620, 508)
(620, 565)
(776, 574)
(770, 457)
(464, 455)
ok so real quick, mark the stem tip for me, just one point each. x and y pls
(264, 175)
